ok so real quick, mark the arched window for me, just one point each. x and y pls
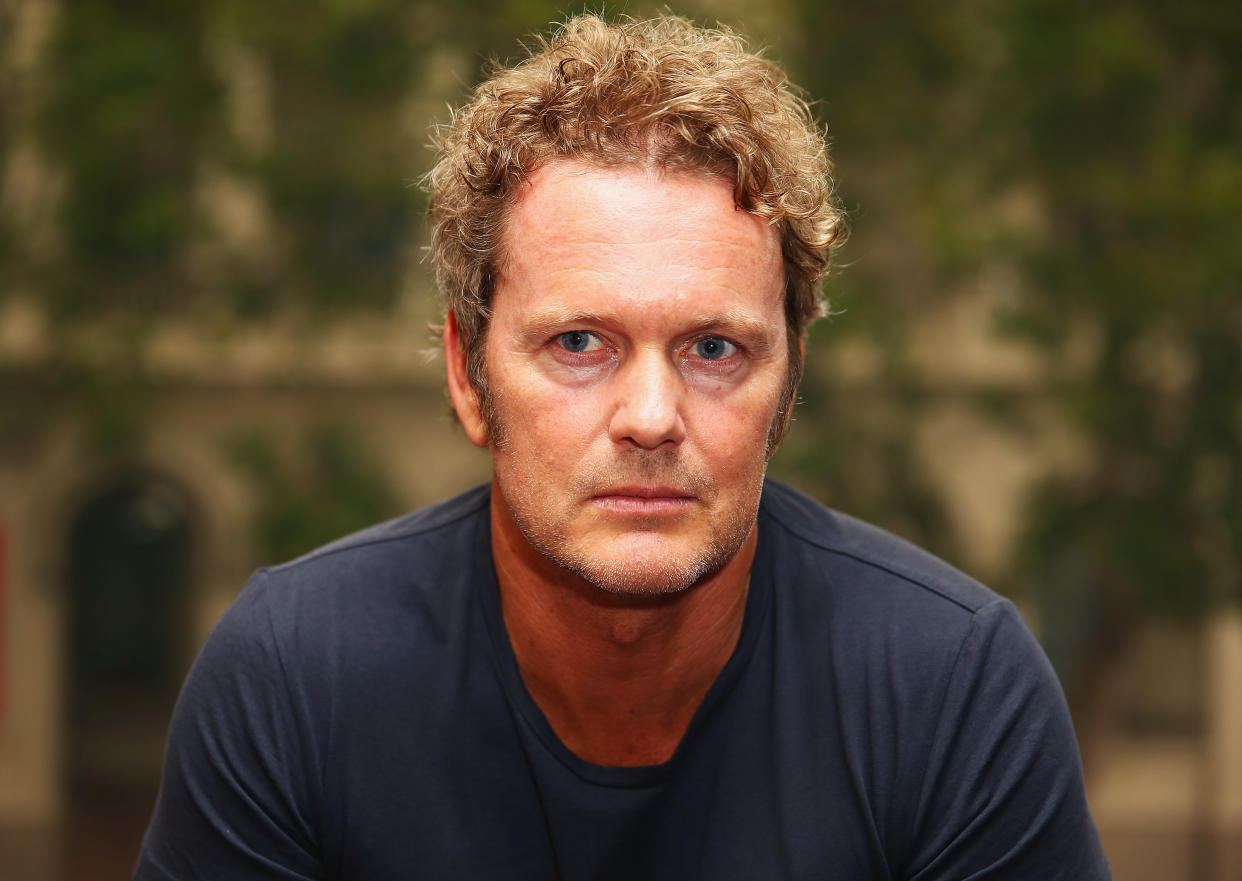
(128, 573)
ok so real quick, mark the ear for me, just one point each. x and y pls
(461, 392)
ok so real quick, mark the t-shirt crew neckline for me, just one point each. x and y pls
(757, 602)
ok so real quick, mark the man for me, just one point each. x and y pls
(629, 657)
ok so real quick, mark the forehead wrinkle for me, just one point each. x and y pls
(594, 205)
(583, 261)
(689, 233)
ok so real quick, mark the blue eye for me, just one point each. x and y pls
(713, 348)
(576, 341)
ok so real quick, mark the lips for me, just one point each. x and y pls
(645, 492)
(644, 501)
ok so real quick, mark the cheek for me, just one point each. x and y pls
(738, 421)
(547, 422)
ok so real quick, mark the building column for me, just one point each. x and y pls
(1224, 739)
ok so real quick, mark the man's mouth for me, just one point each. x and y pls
(647, 501)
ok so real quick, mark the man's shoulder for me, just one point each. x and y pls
(393, 582)
(423, 553)
(851, 552)
(441, 528)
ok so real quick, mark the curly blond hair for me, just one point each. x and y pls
(661, 93)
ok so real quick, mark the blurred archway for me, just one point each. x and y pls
(129, 549)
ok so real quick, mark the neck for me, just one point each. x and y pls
(618, 677)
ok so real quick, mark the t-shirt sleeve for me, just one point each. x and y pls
(240, 775)
(1003, 794)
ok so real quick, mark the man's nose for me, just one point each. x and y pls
(649, 400)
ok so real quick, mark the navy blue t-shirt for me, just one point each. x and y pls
(358, 714)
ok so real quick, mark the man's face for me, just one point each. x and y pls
(636, 358)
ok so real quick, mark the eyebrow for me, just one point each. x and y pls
(732, 322)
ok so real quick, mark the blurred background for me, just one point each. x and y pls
(214, 353)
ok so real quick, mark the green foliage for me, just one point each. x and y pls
(132, 104)
(115, 405)
(846, 450)
(338, 168)
(1126, 120)
(856, 449)
(355, 51)
(324, 488)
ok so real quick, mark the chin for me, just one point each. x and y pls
(642, 572)
(638, 579)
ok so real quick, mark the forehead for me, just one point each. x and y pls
(638, 231)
